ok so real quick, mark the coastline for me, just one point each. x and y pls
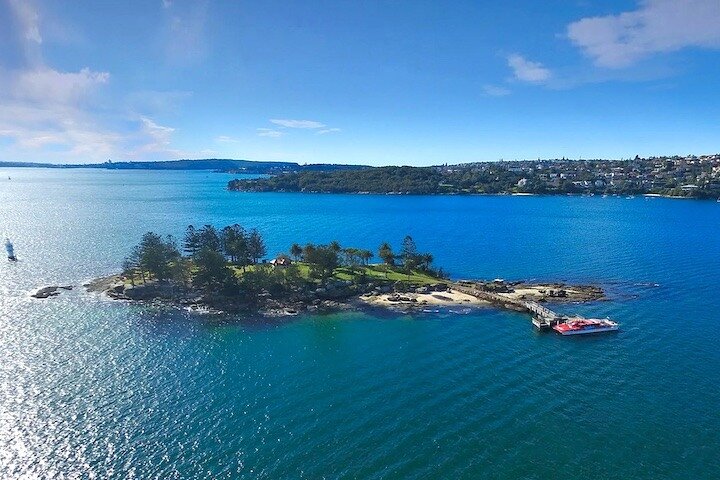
(398, 297)
(481, 194)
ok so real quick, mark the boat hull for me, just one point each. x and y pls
(587, 331)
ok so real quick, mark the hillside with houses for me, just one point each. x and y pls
(690, 176)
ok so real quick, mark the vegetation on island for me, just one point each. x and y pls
(696, 177)
(230, 263)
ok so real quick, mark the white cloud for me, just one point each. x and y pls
(50, 115)
(269, 132)
(528, 71)
(45, 110)
(297, 123)
(167, 3)
(284, 123)
(159, 133)
(226, 139)
(328, 130)
(70, 131)
(47, 85)
(153, 141)
(657, 26)
(42, 107)
(29, 19)
(496, 91)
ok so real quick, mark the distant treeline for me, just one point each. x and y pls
(212, 164)
(413, 180)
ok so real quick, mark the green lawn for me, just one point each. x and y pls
(379, 273)
(382, 272)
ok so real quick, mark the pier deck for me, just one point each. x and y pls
(543, 317)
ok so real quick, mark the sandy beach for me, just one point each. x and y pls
(447, 298)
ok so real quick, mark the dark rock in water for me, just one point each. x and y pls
(51, 291)
(46, 292)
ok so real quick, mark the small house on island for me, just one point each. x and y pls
(281, 261)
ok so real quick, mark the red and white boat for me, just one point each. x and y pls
(578, 326)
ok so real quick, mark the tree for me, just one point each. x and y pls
(135, 259)
(293, 277)
(180, 271)
(256, 246)
(335, 246)
(191, 242)
(409, 252)
(296, 251)
(352, 257)
(386, 254)
(212, 272)
(323, 261)
(255, 281)
(425, 260)
(129, 266)
(208, 238)
(308, 251)
(366, 256)
(234, 243)
(155, 254)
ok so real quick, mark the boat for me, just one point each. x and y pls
(579, 326)
(10, 250)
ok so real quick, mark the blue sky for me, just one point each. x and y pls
(373, 82)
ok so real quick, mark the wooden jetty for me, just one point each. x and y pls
(542, 317)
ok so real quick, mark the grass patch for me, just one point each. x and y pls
(375, 272)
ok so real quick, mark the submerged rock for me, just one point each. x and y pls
(46, 292)
(51, 291)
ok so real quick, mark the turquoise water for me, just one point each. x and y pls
(93, 388)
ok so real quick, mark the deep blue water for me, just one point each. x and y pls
(93, 388)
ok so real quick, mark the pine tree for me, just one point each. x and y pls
(256, 246)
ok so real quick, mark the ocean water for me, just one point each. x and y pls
(91, 388)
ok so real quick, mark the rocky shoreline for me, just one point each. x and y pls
(336, 296)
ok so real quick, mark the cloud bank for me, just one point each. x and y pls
(657, 26)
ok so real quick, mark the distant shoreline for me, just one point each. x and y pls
(499, 194)
(694, 178)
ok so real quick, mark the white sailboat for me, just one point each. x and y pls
(10, 250)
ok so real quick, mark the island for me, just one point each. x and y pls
(222, 270)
